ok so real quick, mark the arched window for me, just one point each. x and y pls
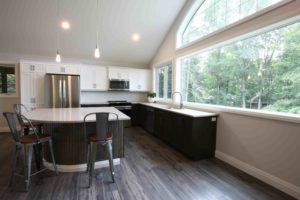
(208, 16)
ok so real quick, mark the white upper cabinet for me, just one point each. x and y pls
(32, 81)
(63, 69)
(93, 78)
(119, 73)
(32, 67)
(140, 80)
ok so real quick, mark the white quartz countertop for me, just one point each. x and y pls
(184, 111)
(71, 115)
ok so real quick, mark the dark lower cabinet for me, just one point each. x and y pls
(135, 115)
(194, 137)
(149, 121)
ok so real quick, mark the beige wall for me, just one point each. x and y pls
(267, 149)
(6, 105)
(269, 145)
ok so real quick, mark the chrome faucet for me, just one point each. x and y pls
(181, 104)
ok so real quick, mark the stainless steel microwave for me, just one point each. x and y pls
(116, 84)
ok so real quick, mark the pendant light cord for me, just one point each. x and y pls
(97, 24)
(58, 13)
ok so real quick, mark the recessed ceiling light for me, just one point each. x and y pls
(65, 25)
(135, 37)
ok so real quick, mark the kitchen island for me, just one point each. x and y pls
(66, 127)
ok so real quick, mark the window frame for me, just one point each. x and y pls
(156, 68)
(280, 116)
(194, 8)
(16, 68)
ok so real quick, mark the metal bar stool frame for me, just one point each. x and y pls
(37, 148)
(26, 147)
(102, 131)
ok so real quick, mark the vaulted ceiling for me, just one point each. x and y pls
(30, 27)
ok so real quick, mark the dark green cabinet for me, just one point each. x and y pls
(193, 136)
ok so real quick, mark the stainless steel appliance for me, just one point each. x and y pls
(116, 84)
(62, 91)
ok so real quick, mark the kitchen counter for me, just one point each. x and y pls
(66, 127)
(70, 115)
(189, 131)
(184, 111)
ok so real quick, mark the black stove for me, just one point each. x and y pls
(120, 105)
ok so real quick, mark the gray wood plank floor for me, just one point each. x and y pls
(150, 170)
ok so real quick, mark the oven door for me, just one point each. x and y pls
(127, 110)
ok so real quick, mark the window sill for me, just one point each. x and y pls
(167, 101)
(285, 117)
(6, 95)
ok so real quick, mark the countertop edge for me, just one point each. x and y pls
(157, 105)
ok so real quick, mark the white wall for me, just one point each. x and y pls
(98, 97)
(265, 148)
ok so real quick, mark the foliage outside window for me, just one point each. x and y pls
(7, 79)
(262, 72)
(163, 80)
(216, 14)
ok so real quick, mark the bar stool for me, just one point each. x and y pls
(26, 143)
(21, 108)
(103, 137)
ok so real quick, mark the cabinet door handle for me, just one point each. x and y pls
(94, 85)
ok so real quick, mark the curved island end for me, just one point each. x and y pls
(66, 127)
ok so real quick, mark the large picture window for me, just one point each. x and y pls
(216, 14)
(163, 80)
(261, 72)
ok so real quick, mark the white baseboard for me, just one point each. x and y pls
(274, 181)
(4, 129)
(80, 167)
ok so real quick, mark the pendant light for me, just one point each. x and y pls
(97, 51)
(58, 57)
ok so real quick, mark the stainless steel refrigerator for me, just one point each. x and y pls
(62, 91)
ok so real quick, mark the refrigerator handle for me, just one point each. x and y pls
(60, 92)
(64, 94)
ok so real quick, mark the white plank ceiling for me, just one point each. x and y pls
(29, 27)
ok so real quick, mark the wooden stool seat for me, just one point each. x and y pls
(35, 124)
(93, 137)
(27, 139)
